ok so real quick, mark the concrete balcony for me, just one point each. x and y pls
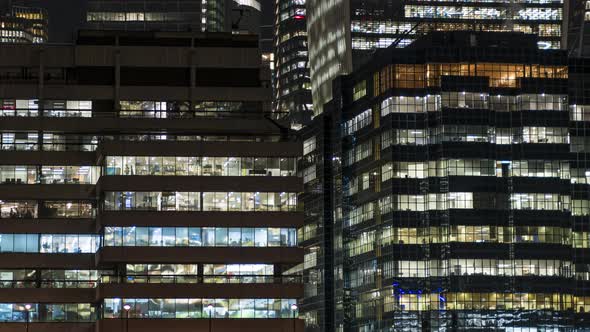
(235, 255)
(200, 183)
(47, 191)
(72, 158)
(48, 226)
(48, 327)
(209, 149)
(200, 219)
(46, 261)
(199, 325)
(246, 291)
(47, 295)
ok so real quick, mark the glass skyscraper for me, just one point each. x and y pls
(342, 32)
(292, 85)
(453, 176)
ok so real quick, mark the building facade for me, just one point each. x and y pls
(292, 85)
(457, 179)
(342, 33)
(246, 16)
(20, 24)
(160, 15)
(579, 85)
(144, 187)
(578, 30)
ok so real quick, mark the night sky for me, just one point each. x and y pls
(64, 17)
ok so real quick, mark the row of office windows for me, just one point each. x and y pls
(206, 279)
(142, 16)
(369, 240)
(192, 269)
(149, 308)
(581, 239)
(182, 109)
(366, 241)
(359, 152)
(481, 301)
(10, 276)
(464, 200)
(360, 121)
(137, 273)
(467, 200)
(30, 141)
(505, 75)
(45, 209)
(482, 13)
(580, 112)
(485, 13)
(181, 166)
(50, 141)
(149, 236)
(390, 27)
(462, 133)
(473, 100)
(200, 237)
(470, 301)
(200, 201)
(29, 278)
(49, 243)
(366, 272)
(373, 42)
(481, 167)
(213, 166)
(580, 207)
(476, 234)
(481, 134)
(47, 312)
(51, 108)
(27, 174)
(199, 308)
(485, 267)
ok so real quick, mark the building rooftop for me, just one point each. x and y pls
(165, 38)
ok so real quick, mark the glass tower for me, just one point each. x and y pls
(455, 172)
(292, 89)
(343, 32)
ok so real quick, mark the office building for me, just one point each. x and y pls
(455, 178)
(159, 15)
(144, 186)
(579, 84)
(292, 89)
(578, 30)
(342, 33)
(20, 24)
(246, 16)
